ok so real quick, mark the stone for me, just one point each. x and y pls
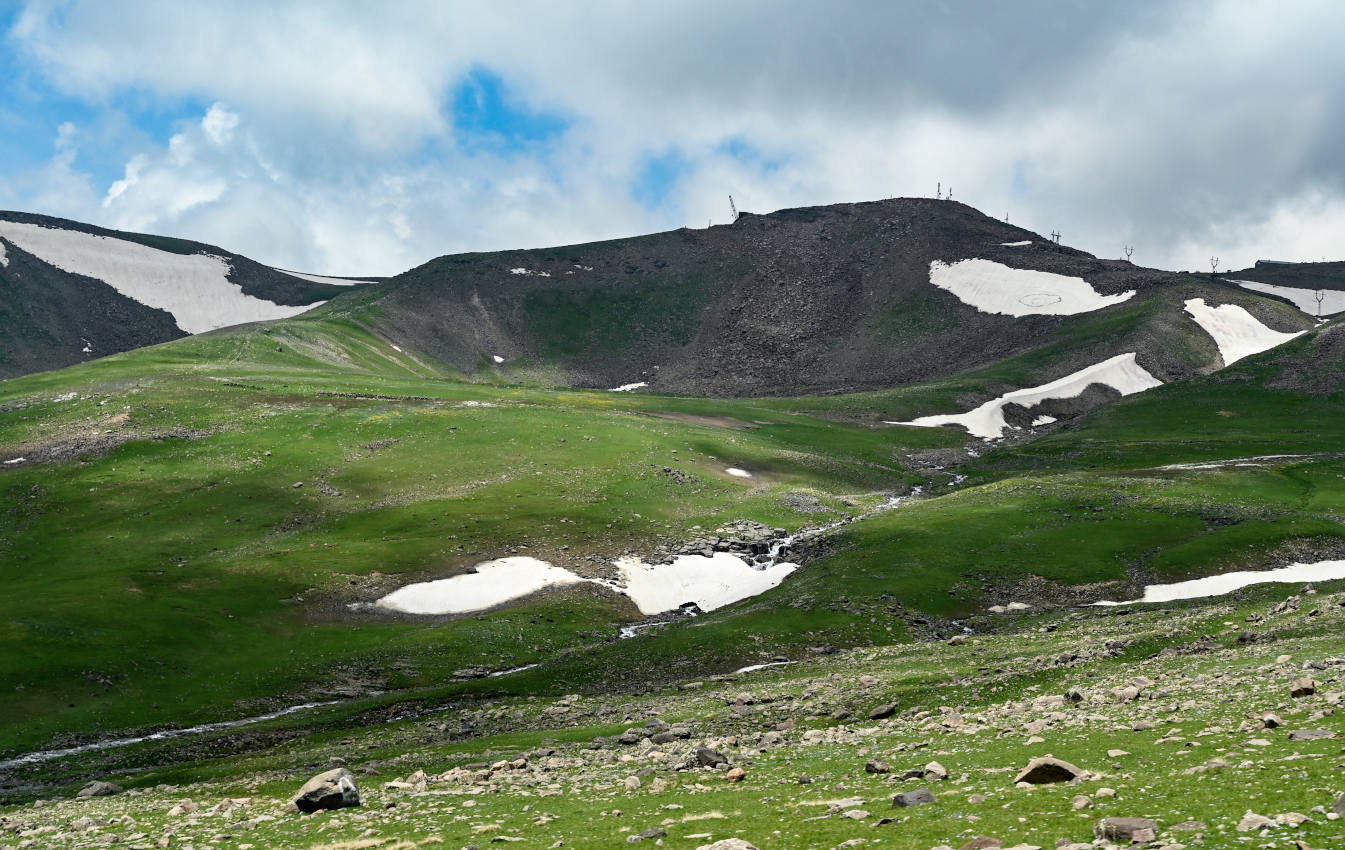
(1126, 830)
(632, 783)
(877, 766)
(736, 774)
(1339, 806)
(1271, 720)
(1081, 802)
(98, 788)
(982, 842)
(334, 789)
(855, 814)
(1116, 754)
(1252, 821)
(935, 772)
(883, 711)
(1045, 770)
(918, 797)
(707, 757)
(729, 844)
(1311, 734)
(1303, 687)
(653, 832)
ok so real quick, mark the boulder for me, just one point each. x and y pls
(877, 766)
(935, 772)
(882, 712)
(1311, 734)
(1126, 830)
(729, 844)
(1339, 806)
(1045, 770)
(335, 789)
(982, 842)
(736, 774)
(98, 788)
(918, 797)
(1303, 687)
(706, 757)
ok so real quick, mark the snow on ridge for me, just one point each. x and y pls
(4, 261)
(1023, 244)
(1236, 332)
(626, 388)
(1304, 299)
(194, 288)
(1122, 373)
(996, 288)
(317, 278)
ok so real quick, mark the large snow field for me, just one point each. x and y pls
(317, 278)
(1333, 301)
(710, 582)
(194, 288)
(1237, 332)
(492, 583)
(1228, 582)
(1121, 373)
(996, 288)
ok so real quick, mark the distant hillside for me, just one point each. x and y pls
(71, 292)
(819, 300)
(1299, 284)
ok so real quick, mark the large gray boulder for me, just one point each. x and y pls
(1045, 770)
(335, 789)
(99, 788)
(918, 797)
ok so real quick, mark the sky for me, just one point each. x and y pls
(366, 138)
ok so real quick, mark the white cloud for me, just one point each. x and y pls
(1187, 129)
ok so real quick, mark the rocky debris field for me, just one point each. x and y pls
(1214, 724)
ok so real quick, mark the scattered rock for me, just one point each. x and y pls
(707, 757)
(654, 832)
(918, 797)
(729, 844)
(877, 766)
(1339, 806)
(1311, 734)
(1045, 770)
(335, 789)
(934, 772)
(883, 711)
(982, 842)
(1252, 821)
(736, 774)
(98, 788)
(1126, 830)
(1303, 687)
(1081, 802)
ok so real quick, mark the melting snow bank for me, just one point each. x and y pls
(1333, 301)
(1023, 244)
(625, 388)
(1121, 373)
(1228, 582)
(49, 755)
(996, 288)
(194, 288)
(317, 278)
(492, 583)
(710, 582)
(1237, 332)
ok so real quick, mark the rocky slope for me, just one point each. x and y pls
(803, 301)
(71, 292)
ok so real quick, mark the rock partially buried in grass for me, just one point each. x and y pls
(918, 797)
(335, 789)
(1339, 806)
(1311, 734)
(729, 844)
(1304, 687)
(98, 788)
(1126, 830)
(1045, 770)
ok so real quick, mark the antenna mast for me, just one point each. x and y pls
(733, 208)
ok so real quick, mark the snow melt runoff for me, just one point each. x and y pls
(996, 288)
(194, 288)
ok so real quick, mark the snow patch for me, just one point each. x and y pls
(738, 473)
(1228, 582)
(996, 288)
(15, 460)
(4, 260)
(1237, 332)
(1121, 373)
(497, 358)
(317, 278)
(710, 582)
(397, 348)
(492, 583)
(625, 388)
(1042, 420)
(1333, 301)
(194, 288)
(1023, 244)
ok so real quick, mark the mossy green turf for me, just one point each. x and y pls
(166, 571)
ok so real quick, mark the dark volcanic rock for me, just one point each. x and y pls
(918, 797)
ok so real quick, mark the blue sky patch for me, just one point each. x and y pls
(487, 117)
(655, 178)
